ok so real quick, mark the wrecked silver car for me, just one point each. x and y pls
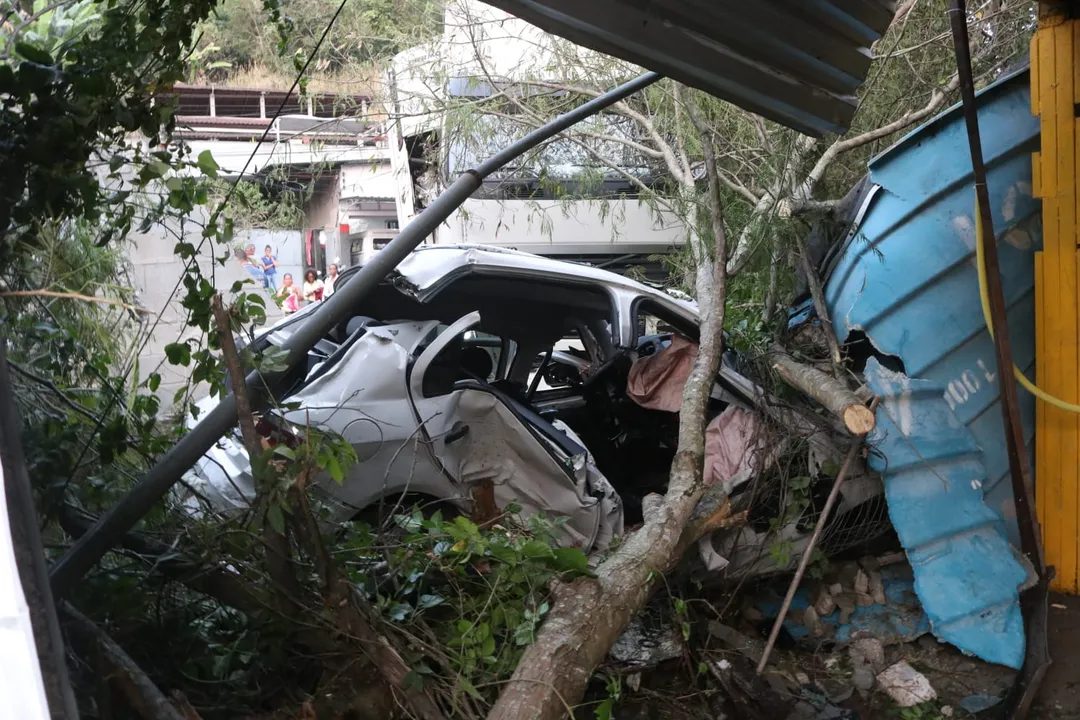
(471, 365)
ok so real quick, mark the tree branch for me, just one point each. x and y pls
(589, 613)
(937, 98)
(278, 554)
(73, 296)
(732, 183)
(682, 174)
(140, 692)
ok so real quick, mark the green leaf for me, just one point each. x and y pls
(430, 601)
(207, 164)
(153, 382)
(536, 549)
(178, 354)
(413, 681)
(571, 560)
(603, 710)
(400, 611)
(156, 168)
(33, 53)
(273, 359)
(285, 452)
(276, 518)
(334, 468)
(487, 648)
(470, 688)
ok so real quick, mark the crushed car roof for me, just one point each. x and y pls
(427, 267)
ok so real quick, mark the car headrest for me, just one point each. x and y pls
(358, 322)
(478, 362)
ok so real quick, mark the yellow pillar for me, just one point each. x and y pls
(1055, 94)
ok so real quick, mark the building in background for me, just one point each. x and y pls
(606, 223)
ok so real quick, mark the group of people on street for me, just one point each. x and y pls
(293, 296)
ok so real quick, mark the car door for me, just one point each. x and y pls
(480, 435)
(433, 399)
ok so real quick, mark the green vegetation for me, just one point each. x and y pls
(90, 160)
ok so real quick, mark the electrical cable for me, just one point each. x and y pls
(984, 297)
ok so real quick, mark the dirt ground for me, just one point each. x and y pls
(1059, 696)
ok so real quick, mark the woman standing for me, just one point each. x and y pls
(290, 293)
(313, 286)
(331, 278)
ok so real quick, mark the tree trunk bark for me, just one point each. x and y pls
(589, 613)
(818, 295)
(139, 691)
(338, 596)
(831, 393)
(278, 554)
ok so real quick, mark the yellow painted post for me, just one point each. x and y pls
(1040, 374)
(1055, 92)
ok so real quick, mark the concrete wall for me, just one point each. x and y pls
(157, 270)
(548, 227)
(232, 155)
(373, 179)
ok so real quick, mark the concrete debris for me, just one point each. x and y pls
(846, 603)
(641, 646)
(877, 587)
(863, 679)
(751, 647)
(977, 703)
(861, 582)
(825, 604)
(867, 651)
(899, 618)
(906, 685)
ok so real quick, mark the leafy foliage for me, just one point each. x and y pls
(365, 33)
(480, 594)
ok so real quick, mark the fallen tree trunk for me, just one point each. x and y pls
(140, 692)
(830, 393)
(588, 614)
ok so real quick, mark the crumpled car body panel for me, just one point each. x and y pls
(442, 446)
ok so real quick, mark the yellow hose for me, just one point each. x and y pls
(980, 254)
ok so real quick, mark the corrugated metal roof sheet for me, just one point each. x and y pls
(798, 62)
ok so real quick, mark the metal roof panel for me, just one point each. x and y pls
(798, 62)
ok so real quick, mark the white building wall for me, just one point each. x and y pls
(232, 155)
(157, 269)
(549, 227)
(368, 179)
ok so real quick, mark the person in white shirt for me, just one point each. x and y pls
(313, 287)
(331, 278)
